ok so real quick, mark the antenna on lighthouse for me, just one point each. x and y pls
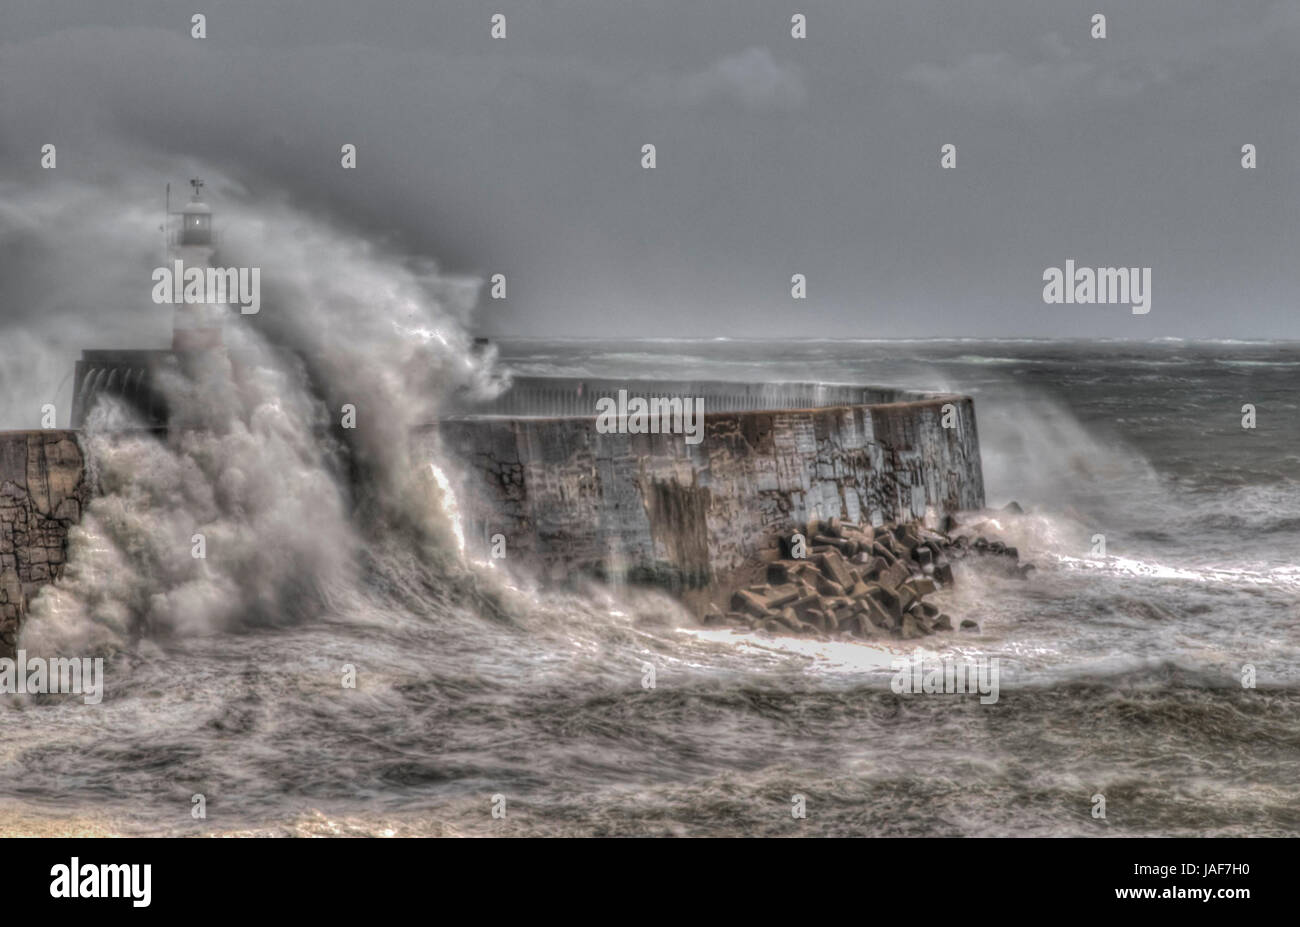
(197, 185)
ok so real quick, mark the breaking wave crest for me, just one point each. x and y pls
(255, 508)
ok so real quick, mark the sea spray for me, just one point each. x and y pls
(255, 509)
(544, 703)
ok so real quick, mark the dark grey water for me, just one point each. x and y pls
(1120, 675)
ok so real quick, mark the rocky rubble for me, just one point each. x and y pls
(971, 541)
(862, 581)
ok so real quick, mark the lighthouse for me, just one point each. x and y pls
(196, 326)
(129, 375)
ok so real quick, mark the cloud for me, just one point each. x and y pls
(752, 78)
(1050, 74)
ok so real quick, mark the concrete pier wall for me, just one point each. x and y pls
(653, 508)
(567, 499)
(43, 491)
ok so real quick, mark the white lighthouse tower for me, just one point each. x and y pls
(195, 326)
(129, 376)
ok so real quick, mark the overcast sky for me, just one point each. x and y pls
(775, 155)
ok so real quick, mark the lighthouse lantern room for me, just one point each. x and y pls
(196, 219)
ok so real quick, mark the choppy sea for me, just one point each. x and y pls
(1120, 675)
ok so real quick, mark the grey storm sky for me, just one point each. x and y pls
(775, 155)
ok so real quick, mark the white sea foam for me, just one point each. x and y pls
(251, 464)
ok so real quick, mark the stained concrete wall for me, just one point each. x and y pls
(43, 490)
(651, 507)
(567, 498)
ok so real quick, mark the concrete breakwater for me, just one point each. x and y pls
(43, 490)
(533, 471)
(564, 498)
